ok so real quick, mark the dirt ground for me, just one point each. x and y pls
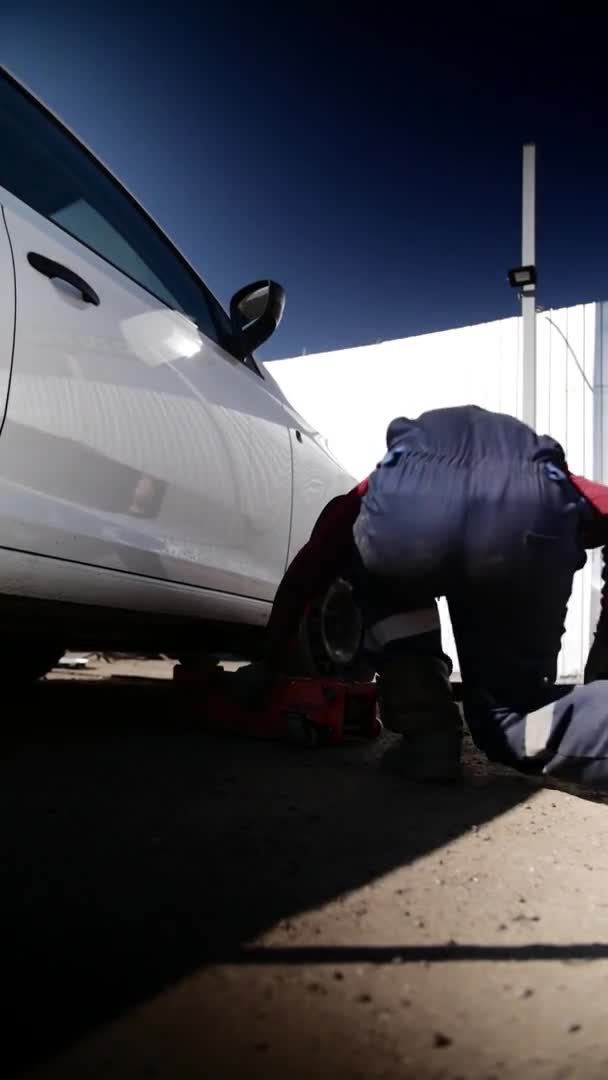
(177, 905)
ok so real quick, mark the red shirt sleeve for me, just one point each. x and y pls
(317, 564)
(595, 531)
(595, 534)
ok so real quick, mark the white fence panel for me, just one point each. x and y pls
(351, 395)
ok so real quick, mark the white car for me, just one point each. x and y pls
(154, 481)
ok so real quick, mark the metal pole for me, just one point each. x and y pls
(528, 293)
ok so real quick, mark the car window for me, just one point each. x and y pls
(46, 168)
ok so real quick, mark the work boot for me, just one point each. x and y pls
(415, 699)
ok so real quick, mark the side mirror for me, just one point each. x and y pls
(255, 312)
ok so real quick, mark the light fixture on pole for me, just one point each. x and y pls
(523, 278)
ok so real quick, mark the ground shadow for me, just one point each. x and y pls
(305, 955)
(136, 849)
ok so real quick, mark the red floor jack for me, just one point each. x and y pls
(309, 711)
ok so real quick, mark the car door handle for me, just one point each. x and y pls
(52, 269)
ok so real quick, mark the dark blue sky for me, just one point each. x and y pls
(372, 164)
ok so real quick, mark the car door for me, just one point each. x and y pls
(133, 440)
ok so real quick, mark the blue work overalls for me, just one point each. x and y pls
(474, 506)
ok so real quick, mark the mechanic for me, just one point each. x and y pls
(476, 507)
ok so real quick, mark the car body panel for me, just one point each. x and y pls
(317, 478)
(317, 475)
(24, 574)
(7, 314)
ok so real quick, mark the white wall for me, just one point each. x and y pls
(351, 395)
